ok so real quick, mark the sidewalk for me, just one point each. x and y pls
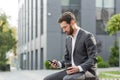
(108, 74)
(25, 74)
(38, 74)
(108, 69)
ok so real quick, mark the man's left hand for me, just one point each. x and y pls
(73, 69)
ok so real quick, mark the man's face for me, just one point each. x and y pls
(67, 28)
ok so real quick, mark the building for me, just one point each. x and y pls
(40, 37)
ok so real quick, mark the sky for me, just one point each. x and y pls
(10, 7)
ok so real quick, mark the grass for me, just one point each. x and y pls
(110, 74)
(114, 72)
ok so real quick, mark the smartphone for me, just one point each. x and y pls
(69, 69)
(51, 61)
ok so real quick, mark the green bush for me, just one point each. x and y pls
(113, 24)
(114, 55)
(7, 40)
(5, 67)
(103, 64)
(47, 65)
(99, 59)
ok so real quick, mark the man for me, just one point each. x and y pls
(80, 52)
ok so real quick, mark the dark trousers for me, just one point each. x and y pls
(62, 75)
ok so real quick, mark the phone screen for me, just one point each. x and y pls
(50, 61)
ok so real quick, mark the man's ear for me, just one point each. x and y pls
(72, 22)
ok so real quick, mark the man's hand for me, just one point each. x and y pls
(54, 64)
(73, 69)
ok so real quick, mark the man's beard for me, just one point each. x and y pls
(71, 31)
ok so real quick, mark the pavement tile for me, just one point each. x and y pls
(38, 74)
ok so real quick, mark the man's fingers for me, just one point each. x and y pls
(69, 68)
(54, 65)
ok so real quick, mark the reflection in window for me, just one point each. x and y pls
(31, 60)
(72, 6)
(28, 60)
(28, 20)
(36, 59)
(42, 17)
(41, 58)
(31, 19)
(36, 24)
(104, 10)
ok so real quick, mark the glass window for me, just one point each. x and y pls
(28, 60)
(36, 59)
(99, 3)
(104, 10)
(105, 3)
(65, 2)
(25, 20)
(31, 19)
(42, 18)
(72, 6)
(36, 24)
(21, 60)
(28, 21)
(31, 60)
(41, 58)
(109, 3)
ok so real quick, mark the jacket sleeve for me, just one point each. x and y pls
(66, 56)
(91, 47)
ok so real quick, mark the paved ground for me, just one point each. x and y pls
(36, 75)
(25, 75)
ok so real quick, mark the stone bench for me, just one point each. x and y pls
(88, 76)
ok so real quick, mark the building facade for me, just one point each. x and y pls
(40, 37)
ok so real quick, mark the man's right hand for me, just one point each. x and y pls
(54, 64)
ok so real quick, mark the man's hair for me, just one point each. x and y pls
(67, 16)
